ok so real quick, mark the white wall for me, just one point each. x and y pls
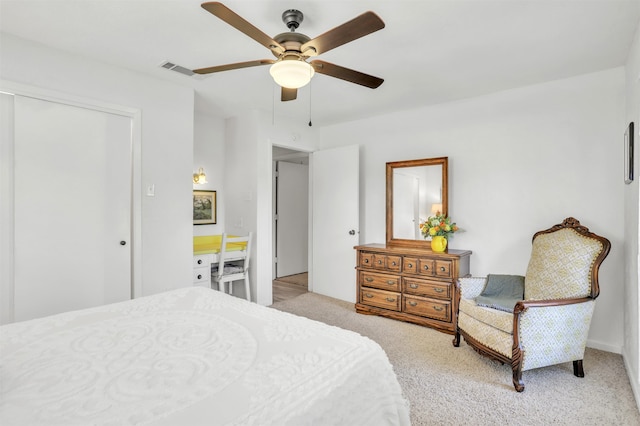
(166, 147)
(631, 349)
(208, 153)
(248, 145)
(519, 161)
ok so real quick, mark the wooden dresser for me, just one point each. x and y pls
(408, 284)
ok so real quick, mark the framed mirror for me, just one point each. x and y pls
(416, 189)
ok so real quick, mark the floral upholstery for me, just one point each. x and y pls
(560, 265)
(491, 337)
(549, 328)
(499, 319)
(554, 334)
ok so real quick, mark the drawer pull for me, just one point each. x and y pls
(438, 308)
(442, 268)
(393, 263)
(391, 282)
(426, 267)
(199, 276)
(199, 261)
(379, 262)
(438, 290)
(412, 303)
(413, 285)
(369, 295)
(366, 261)
(411, 265)
(390, 299)
(368, 279)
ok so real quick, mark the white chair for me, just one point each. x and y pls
(233, 264)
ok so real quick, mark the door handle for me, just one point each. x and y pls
(352, 232)
(123, 243)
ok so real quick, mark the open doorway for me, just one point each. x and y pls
(290, 223)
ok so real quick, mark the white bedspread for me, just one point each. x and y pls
(193, 356)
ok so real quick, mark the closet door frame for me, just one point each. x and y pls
(13, 88)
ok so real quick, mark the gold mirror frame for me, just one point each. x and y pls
(440, 161)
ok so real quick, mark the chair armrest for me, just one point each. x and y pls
(471, 287)
(523, 305)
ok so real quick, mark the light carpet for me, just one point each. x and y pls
(456, 386)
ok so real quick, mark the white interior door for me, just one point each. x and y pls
(335, 193)
(72, 206)
(292, 225)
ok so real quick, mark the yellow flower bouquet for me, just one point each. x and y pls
(438, 225)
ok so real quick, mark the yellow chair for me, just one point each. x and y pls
(551, 323)
(233, 264)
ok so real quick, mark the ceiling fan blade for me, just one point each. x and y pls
(242, 25)
(288, 94)
(359, 26)
(346, 74)
(235, 66)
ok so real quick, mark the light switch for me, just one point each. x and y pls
(151, 190)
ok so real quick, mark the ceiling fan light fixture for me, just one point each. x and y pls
(292, 74)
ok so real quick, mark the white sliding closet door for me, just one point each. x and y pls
(72, 189)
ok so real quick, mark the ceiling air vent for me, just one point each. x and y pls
(177, 68)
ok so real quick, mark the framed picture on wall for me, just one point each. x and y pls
(204, 207)
(628, 154)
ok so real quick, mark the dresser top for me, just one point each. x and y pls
(377, 247)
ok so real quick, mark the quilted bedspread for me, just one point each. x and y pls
(193, 356)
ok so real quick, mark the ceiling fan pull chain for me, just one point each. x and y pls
(310, 84)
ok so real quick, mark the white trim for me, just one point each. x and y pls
(7, 232)
(135, 114)
(604, 347)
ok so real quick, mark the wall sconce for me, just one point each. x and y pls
(199, 178)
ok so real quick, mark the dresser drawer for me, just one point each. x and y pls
(202, 260)
(380, 298)
(424, 307)
(201, 275)
(434, 267)
(421, 287)
(443, 269)
(387, 263)
(382, 281)
(366, 259)
(410, 265)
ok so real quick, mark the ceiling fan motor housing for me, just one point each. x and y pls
(292, 18)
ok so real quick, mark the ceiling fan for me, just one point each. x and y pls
(290, 69)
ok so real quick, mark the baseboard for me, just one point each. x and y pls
(604, 347)
(633, 379)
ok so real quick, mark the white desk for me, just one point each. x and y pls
(206, 252)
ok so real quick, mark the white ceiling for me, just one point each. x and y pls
(429, 52)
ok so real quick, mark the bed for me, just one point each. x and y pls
(193, 356)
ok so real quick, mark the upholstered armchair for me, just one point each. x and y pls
(551, 323)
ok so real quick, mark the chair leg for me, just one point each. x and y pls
(516, 366)
(578, 371)
(247, 287)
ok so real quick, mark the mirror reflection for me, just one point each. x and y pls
(417, 194)
(416, 189)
